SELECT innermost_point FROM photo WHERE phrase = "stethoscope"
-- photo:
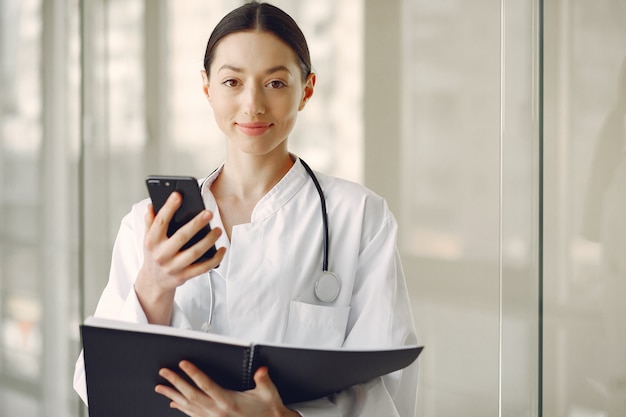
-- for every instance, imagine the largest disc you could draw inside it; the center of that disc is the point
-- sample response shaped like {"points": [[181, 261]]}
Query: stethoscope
{"points": [[327, 285]]}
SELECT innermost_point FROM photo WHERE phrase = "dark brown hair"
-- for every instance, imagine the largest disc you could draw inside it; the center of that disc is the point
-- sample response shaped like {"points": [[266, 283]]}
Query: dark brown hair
{"points": [[266, 18]]}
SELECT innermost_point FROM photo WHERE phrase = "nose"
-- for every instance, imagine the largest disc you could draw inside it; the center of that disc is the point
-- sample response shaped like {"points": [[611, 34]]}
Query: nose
{"points": [[254, 101]]}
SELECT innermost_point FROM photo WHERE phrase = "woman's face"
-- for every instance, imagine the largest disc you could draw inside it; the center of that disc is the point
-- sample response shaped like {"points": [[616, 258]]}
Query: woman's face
{"points": [[256, 90]]}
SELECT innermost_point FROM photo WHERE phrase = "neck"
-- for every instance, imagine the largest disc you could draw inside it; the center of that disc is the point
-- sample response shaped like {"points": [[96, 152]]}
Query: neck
{"points": [[250, 177]]}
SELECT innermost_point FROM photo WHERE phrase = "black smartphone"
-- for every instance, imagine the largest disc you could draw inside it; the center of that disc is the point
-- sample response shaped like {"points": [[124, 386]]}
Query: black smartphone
{"points": [[161, 186]]}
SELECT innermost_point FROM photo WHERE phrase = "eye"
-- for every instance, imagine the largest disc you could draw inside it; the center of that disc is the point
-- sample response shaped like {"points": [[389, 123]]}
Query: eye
{"points": [[276, 84], [230, 82]]}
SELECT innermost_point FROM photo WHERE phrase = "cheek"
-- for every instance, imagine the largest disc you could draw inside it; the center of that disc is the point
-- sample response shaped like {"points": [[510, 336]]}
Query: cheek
{"points": [[287, 118], [288, 108], [222, 117], [221, 108]]}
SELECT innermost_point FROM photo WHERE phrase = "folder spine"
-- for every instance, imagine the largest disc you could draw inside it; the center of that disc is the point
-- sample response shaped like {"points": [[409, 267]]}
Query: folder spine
{"points": [[247, 365]]}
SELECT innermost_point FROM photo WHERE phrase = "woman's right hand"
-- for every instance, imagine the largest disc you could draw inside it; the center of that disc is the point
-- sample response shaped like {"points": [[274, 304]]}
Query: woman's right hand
{"points": [[165, 267]]}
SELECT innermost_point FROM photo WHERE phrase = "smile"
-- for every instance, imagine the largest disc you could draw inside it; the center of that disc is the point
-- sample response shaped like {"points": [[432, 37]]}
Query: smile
{"points": [[254, 128]]}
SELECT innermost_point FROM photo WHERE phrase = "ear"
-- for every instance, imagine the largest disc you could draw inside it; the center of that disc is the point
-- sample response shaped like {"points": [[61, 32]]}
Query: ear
{"points": [[309, 86], [205, 84]]}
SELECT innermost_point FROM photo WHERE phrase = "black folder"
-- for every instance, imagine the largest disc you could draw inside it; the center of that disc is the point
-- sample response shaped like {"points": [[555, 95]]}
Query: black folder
{"points": [[122, 361]]}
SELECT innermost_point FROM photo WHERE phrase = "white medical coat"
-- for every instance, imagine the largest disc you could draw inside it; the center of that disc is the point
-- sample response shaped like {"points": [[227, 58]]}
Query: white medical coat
{"points": [[263, 291]]}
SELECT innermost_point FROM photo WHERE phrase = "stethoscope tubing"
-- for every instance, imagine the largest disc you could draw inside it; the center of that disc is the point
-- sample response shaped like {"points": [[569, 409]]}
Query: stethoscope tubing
{"points": [[318, 187], [326, 248], [324, 214]]}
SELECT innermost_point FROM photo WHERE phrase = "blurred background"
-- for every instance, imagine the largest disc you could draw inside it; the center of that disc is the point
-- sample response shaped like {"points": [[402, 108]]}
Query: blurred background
{"points": [[496, 129]]}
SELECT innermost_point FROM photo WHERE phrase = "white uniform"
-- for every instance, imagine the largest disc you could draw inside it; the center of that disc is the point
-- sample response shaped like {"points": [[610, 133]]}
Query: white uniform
{"points": [[263, 291]]}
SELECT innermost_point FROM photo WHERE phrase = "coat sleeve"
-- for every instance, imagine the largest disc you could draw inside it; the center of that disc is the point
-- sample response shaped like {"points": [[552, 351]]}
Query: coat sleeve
{"points": [[380, 317], [119, 300]]}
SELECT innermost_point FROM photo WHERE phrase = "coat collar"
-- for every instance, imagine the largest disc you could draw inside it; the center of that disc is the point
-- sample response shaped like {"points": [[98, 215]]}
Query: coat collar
{"points": [[271, 202]]}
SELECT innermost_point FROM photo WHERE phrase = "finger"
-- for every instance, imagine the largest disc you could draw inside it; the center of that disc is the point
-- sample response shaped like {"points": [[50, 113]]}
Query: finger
{"points": [[178, 400], [157, 223], [185, 261], [175, 393], [199, 248], [173, 202], [264, 383], [203, 382], [149, 217], [183, 269], [186, 232], [182, 392], [166, 213], [201, 267]]}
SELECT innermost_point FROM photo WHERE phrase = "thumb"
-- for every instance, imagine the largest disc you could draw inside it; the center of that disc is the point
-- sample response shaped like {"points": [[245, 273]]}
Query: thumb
{"points": [[263, 381], [149, 217], [262, 377]]}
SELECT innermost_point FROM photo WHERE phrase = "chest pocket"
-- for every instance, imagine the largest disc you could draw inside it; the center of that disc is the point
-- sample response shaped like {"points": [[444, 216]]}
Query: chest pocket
{"points": [[316, 326]]}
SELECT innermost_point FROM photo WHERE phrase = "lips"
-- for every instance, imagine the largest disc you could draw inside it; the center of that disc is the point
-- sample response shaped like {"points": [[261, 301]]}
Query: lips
{"points": [[254, 128]]}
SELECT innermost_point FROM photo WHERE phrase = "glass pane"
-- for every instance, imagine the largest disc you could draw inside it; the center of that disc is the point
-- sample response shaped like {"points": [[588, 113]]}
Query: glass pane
{"points": [[451, 209], [520, 245], [39, 79], [21, 134], [196, 137], [146, 112], [115, 130], [329, 130], [585, 206], [470, 208]]}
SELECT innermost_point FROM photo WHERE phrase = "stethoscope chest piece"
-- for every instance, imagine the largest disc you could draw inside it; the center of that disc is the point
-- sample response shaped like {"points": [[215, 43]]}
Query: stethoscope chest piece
{"points": [[327, 287]]}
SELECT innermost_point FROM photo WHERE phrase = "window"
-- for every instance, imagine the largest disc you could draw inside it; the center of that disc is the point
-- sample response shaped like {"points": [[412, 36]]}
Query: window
{"points": [[73, 160]]}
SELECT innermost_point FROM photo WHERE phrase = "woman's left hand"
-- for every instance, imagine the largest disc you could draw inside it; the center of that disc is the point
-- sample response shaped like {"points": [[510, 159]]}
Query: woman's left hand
{"points": [[207, 398]]}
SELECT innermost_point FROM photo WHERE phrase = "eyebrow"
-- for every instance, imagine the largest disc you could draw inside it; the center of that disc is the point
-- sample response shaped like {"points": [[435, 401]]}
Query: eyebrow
{"points": [[268, 71]]}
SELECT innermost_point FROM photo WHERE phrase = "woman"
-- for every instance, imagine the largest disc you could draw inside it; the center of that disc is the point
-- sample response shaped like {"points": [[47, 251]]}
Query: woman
{"points": [[264, 210]]}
